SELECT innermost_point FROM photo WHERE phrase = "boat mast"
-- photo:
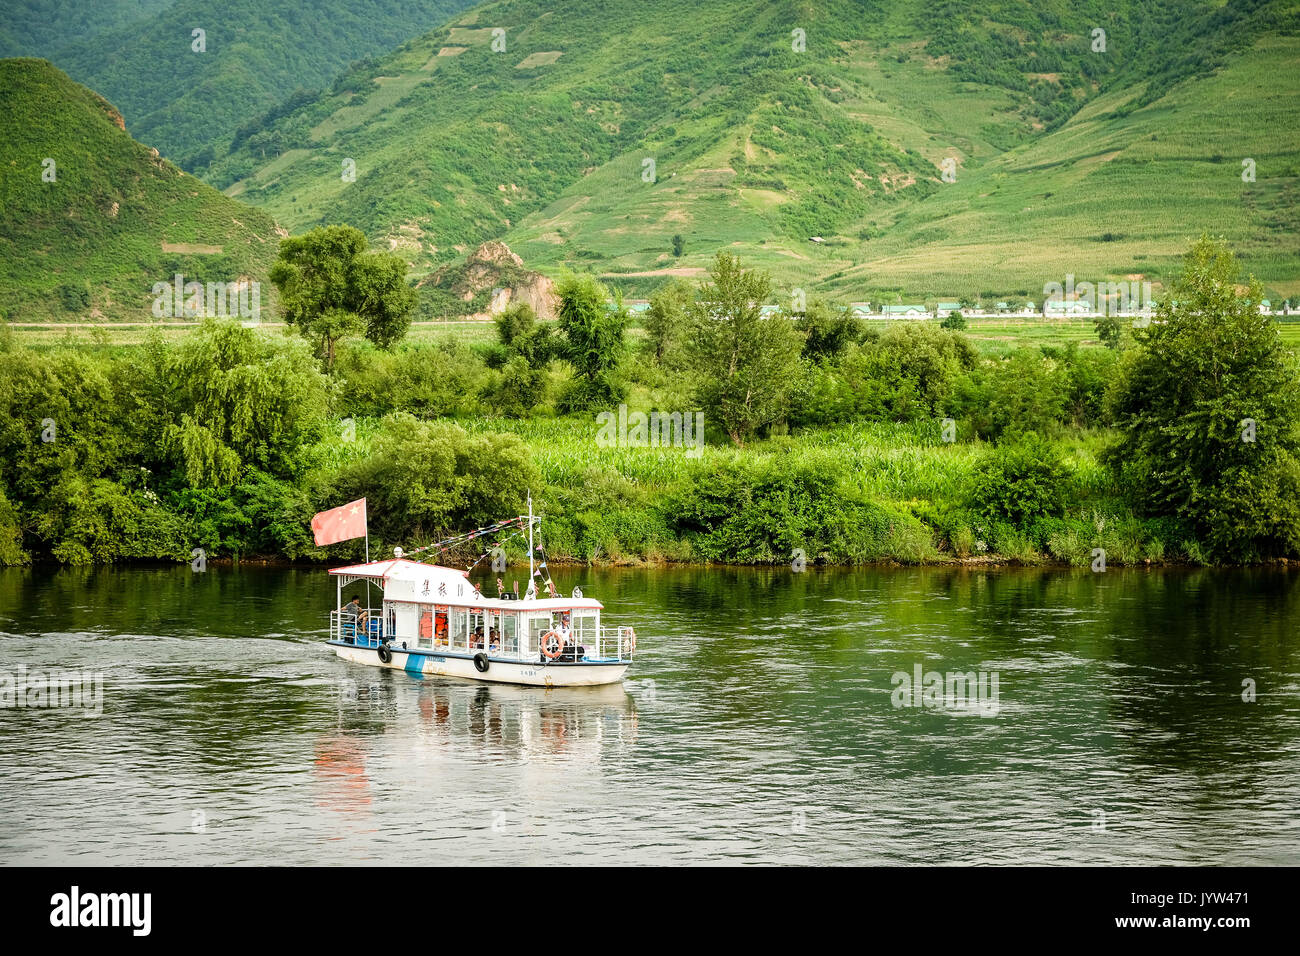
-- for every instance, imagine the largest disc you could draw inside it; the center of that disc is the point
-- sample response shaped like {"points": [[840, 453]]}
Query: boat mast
{"points": [[530, 537]]}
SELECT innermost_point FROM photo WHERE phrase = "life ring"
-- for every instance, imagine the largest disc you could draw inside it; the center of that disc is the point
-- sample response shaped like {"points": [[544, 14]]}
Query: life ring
{"points": [[552, 638], [385, 654], [481, 662]]}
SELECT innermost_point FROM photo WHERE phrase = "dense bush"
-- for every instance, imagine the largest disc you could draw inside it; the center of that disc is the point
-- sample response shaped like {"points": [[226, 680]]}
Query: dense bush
{"points": [[1207, 409], [427, 381], [761, 511], [424, 478], [1022, 482]]}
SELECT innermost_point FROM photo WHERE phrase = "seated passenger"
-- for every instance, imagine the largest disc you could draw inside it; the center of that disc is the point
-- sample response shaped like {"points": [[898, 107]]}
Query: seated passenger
{"points": [[349, 614]]}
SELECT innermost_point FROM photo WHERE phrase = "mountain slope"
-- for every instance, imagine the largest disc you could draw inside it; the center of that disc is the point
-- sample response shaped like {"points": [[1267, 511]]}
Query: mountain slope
{"points": [[188, 104], [41, 27], [117, 217], [759, 147]]}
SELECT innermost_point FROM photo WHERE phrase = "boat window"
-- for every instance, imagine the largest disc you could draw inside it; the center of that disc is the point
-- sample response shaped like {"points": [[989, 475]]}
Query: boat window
{"points": [[458, 629], [538, 624], [477, 630], [440, 625], [509, 632], [584, 628], [426, 627]]}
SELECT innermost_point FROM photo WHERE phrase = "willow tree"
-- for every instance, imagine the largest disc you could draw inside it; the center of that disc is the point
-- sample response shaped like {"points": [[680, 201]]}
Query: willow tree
{"points": [[332, 287], [1208, 409], [241, 400]]}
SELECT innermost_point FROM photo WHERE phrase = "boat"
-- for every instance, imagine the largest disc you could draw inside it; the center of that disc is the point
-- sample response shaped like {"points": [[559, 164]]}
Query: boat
{"points": [[434, 621]]}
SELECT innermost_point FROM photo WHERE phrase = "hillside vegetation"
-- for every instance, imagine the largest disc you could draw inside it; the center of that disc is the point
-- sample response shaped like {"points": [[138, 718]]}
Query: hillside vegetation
{"points": [[1057, 148], [40, 27], [116, 218], [188, 102]]}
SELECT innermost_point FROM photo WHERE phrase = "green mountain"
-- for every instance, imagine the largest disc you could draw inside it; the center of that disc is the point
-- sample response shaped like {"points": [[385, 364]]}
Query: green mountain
{"points": [[90, 219], [41, 27], [189, 98], [1092, 137]]}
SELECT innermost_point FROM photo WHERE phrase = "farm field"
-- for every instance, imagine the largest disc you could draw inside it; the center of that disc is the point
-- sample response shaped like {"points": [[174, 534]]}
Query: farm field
{"points": [[992, 336]]}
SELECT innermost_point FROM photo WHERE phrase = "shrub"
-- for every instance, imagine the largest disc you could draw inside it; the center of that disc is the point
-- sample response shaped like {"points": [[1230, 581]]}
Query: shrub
{"points": [[1022, 482]]}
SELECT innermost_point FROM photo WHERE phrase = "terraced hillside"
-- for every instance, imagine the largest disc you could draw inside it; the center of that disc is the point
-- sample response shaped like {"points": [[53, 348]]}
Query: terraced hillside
{"points": [[590, 135]]}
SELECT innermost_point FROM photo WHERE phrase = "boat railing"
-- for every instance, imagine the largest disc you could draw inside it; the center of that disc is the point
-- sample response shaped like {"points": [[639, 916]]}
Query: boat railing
{"points": [[613, 643], [344, 626], [610, 643]]}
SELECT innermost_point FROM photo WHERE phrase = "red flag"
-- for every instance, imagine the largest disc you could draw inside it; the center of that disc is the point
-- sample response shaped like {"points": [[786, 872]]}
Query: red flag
{"points": [[339, 524]]}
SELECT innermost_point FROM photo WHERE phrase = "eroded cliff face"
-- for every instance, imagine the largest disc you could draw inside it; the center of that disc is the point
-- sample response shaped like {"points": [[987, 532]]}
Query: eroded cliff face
{"points": [[538, 292], [494, 269]]}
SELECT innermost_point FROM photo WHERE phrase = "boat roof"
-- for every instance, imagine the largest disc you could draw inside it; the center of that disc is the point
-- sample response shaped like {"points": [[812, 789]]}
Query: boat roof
{"points": [[408, 580], [398, 569]]}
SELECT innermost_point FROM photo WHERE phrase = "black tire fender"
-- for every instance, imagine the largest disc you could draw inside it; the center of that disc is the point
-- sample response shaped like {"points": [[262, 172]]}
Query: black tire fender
{"points": [[481, 662]]}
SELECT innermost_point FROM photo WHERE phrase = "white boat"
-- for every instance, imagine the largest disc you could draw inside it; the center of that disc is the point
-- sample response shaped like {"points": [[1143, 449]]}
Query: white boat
{"points": [[434, 621]]}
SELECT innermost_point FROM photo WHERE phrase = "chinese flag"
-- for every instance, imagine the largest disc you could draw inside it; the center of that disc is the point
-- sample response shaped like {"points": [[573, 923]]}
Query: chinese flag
{"points": [[339, 524]]}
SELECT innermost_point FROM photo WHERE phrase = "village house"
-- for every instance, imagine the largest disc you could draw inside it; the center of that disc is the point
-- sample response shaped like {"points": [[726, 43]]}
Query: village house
{"points": [[905, 312]]}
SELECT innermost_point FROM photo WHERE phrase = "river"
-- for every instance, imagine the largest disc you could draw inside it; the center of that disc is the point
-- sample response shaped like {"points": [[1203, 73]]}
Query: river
{"points": [[1139, 717]]}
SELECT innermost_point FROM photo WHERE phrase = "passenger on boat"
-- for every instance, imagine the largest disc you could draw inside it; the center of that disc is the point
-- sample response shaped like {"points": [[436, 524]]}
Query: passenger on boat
{"points": [[477, 641], [572, 651], [350, 614]]}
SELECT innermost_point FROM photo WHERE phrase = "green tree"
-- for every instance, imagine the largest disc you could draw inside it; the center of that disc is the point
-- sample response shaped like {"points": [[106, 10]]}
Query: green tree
{"points": [[665, 320], [827, 330], [746, 364], [331, 287], [954, 321], [679, 245], [1206, 407], [1109, 330], [425, 478], [241, 399], [593, 342], [521, 336]]}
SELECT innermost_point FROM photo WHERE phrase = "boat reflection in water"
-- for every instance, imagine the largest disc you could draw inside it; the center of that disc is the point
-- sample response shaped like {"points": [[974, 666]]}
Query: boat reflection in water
{"points": [[526, 722], [445, 728], [340, 766]]}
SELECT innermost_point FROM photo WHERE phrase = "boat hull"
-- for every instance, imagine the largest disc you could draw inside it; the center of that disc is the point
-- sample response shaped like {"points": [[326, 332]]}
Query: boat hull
{"points": [[528, 673]]}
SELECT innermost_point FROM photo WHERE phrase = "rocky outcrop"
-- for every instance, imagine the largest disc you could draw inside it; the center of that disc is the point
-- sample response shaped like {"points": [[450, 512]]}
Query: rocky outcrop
{"points": [[494, 270]]}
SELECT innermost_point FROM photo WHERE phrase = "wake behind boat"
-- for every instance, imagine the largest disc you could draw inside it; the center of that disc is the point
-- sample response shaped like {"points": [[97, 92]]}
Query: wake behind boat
{"points": [[435, 621]]}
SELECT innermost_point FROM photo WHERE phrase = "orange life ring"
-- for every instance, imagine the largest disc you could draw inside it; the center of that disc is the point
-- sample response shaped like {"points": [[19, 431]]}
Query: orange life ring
{"points": [[559, 644]]}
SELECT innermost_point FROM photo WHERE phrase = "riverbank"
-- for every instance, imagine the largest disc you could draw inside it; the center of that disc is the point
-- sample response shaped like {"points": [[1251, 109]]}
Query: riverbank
{"points": [[867, 494], [905, 445]]}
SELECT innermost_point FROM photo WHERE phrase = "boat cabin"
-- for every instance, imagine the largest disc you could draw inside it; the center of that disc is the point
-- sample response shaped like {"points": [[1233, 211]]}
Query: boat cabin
{"points": [[438, 610]]}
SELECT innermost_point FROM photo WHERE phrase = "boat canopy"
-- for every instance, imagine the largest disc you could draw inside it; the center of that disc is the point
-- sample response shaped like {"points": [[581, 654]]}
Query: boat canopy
{"points": [[398, 569], [405, 580]]}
